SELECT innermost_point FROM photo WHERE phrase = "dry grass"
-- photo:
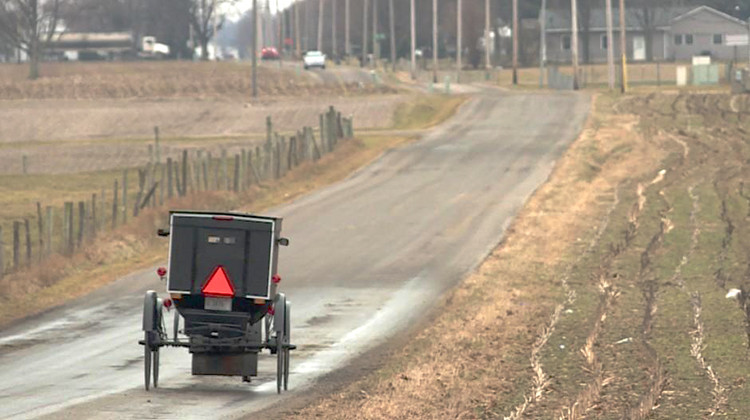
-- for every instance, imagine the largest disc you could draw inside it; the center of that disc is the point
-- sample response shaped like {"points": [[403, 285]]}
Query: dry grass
{"points": [[474, 363], [167, 79]]}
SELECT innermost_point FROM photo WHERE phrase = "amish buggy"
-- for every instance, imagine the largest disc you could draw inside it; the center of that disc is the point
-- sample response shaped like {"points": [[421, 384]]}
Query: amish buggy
{"points": [[222, 280]]}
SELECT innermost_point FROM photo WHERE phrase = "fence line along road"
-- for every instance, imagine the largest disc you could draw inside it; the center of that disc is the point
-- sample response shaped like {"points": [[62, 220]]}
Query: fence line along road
{"points": [[159, 182]]}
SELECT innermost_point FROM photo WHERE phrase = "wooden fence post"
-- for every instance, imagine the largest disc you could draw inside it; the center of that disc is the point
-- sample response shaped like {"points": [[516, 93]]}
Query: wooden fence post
{"points": [[81, 222], [252, 168], [204, 167], [323, 133], [139, 195], [224, 171], [162, 175], [269, 130], [237, 172], [28, 241], [170, 191], [124, 197], [49, 229], [93, 215], [156, 143], [102, 210], [276, 160], [114, 205], [184, 173], [66, 228], [16, 245], [245, 170], [71, 227], [177, 183], [40, 225]]}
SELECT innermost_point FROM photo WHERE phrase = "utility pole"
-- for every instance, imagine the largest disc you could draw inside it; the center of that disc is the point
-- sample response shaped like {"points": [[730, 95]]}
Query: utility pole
{"points": [[334, 47], [280, 31], [542, 42], [214, 38], [375, 42], [515, 42], [254, 49], [297, 37], [459, 35], [320, 24], [487, 65], [413, 45], [393, 35], [364, 33], [308, 18], [623, 47], [347, 29], [610, 44], [434, 41], [574, 41]]}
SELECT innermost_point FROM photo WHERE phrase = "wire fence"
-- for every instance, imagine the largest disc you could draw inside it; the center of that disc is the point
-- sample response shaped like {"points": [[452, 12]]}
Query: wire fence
{"points": [[67, 229]]}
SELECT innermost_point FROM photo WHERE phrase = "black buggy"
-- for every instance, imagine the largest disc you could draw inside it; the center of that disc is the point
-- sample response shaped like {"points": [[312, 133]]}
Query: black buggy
{"points": [[222, 281]]}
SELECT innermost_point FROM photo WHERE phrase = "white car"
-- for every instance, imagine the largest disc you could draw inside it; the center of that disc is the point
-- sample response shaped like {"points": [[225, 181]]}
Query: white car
{"points": [[314, 59]]}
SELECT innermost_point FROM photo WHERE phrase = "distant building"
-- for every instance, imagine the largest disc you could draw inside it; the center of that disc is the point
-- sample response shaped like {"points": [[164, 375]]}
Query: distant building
{"points": [[678, 34]]}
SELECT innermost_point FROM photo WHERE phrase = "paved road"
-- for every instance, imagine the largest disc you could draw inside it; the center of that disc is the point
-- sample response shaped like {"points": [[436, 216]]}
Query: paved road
{"points": [[367, 256]]}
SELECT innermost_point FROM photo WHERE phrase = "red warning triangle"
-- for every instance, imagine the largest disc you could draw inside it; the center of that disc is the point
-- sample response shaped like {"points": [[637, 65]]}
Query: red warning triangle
{"points": [[218, 284]]}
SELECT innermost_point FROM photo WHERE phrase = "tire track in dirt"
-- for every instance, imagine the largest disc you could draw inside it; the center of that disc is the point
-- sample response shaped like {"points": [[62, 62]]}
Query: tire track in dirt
{"points": [[697, 336], [608, 294], [720, 116], [541, 380]]}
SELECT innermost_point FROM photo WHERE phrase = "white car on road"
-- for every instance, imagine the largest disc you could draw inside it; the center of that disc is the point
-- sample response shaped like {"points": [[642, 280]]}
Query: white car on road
{"points": [[314, 59]]}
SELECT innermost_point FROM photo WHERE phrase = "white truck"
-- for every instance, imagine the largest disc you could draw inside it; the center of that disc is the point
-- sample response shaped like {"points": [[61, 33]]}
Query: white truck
{"points": [[74, 46], [314, 59]]}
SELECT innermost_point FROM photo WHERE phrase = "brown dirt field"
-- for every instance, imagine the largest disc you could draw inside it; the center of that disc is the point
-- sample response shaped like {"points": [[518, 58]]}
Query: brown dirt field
{"points": [[172, 79], [607, 297], [59, 136]]}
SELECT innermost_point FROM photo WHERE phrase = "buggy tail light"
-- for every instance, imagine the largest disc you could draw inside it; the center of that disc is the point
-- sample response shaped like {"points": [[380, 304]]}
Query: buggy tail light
{"points": [[276, 279]]}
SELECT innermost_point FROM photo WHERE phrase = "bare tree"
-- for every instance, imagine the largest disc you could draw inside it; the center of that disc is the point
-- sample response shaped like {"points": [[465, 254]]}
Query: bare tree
{"points": [[202, 13], [29, 25], [649, 15]]}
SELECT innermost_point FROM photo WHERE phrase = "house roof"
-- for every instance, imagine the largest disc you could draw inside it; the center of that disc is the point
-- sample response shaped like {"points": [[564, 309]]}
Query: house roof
{"points": [[559, 20], [709, 10]]}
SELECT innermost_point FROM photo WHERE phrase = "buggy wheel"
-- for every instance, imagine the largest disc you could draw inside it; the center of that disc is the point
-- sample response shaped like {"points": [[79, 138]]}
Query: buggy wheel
{"points": [[147, 360], [155, 362], [176, 323], [279, 361], [287, 341]]}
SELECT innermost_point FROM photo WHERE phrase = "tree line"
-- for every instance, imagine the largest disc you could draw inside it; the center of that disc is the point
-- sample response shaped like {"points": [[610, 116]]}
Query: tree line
{"points": [[29, 25]]}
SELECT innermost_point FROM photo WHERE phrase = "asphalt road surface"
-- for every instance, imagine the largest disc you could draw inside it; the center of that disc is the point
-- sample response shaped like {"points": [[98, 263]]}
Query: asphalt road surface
{"points": [[368, 256]]}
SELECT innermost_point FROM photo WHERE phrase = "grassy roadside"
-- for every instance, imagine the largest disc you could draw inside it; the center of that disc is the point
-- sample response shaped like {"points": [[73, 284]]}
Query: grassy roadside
{"points": [[607, 297], [134, 246]]}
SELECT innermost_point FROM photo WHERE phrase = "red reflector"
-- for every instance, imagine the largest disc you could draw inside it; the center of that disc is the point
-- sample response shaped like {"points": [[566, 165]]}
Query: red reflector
{"points": [[271, 311], [224, 218], [161, 271], [218, 284], [167, 303], [276, 278]]}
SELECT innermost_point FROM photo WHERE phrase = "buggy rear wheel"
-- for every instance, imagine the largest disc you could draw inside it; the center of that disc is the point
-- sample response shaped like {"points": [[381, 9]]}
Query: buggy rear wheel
{"points": [[147, 359], [155, 366]]}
